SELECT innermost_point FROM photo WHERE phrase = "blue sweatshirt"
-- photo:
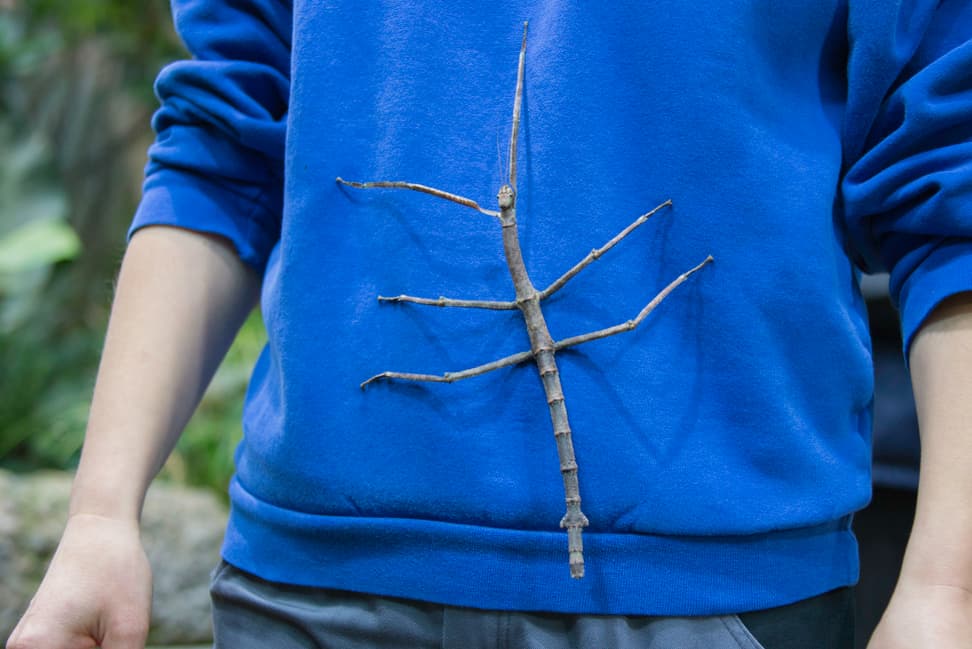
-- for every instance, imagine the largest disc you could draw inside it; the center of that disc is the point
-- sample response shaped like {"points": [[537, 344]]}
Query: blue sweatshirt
{"points": [[723, 444]]}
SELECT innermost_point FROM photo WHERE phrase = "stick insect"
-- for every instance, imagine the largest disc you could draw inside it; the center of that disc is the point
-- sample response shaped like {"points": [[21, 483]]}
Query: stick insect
{"points": [[543, 347]]}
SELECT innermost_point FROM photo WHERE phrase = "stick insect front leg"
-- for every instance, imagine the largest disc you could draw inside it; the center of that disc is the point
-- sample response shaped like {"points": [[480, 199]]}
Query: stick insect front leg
{"points": [[454, 198], [425, 189], [445, 301]]}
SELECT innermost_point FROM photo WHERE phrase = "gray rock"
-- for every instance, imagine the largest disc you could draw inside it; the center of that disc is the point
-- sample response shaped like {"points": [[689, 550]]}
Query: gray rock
{"points": [[182, 529]]}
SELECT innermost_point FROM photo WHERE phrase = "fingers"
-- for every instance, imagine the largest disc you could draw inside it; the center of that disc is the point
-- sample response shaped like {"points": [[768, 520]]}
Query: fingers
{"points": [[97, 591], [40, 631], [32, 633]]}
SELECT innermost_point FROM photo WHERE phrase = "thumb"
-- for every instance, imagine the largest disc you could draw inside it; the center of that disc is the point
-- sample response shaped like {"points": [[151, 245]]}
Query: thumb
{"points": [[126, 635], [127, 625]]}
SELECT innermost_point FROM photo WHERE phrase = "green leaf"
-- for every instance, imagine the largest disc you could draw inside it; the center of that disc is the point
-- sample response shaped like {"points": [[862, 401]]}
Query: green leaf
{"points": [[38, 244]]}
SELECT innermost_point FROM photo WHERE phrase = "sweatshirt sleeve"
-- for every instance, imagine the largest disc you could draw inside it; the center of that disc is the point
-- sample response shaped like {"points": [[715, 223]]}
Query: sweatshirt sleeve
{"points": [[907, 187], [217, 162]]}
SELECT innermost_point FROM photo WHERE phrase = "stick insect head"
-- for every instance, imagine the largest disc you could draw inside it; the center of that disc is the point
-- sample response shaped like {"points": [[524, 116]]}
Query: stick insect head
{"points": [[505, 197]]}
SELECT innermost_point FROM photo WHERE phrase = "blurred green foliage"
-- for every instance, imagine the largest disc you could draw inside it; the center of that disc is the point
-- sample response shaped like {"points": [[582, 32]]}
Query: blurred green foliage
{"points": [[75, 105]]}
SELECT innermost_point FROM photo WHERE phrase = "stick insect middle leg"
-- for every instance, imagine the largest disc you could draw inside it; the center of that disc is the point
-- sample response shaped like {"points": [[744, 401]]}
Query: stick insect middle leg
{"points": [[597, 252]]}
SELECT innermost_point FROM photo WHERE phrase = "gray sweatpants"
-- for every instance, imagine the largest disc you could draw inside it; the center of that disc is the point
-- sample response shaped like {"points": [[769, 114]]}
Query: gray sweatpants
{"points": [[251, 613]]}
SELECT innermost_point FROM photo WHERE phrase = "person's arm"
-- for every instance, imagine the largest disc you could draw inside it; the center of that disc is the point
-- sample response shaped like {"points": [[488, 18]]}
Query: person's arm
{"points": [[180, 299], [932, 603]]}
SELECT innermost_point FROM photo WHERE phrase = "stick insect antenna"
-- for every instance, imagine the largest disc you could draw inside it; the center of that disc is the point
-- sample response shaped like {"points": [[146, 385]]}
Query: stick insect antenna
{"points": [[517, 102]]}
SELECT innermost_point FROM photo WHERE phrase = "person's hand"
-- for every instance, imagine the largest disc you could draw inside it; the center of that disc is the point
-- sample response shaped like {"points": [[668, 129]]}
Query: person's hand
{"points": [[97, 590], [925, 615]]}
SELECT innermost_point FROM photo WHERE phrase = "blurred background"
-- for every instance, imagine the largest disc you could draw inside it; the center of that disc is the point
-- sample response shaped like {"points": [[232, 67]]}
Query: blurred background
{"points": [[75, 107]]}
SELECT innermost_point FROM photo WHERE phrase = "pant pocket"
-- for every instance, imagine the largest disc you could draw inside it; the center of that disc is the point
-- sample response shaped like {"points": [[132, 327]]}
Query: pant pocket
{"points": [[743, 637], [217, 572]]}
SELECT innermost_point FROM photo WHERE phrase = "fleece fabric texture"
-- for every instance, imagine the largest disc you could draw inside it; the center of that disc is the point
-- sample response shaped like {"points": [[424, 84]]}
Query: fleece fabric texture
{"points": [[724, 444]]}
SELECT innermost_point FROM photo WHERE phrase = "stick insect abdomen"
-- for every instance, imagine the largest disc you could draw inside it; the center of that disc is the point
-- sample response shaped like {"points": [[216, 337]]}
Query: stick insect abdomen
{"points": [[542, 344]]}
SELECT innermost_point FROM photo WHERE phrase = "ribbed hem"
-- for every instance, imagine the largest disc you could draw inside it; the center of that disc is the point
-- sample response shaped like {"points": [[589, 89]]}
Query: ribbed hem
{"points": [[490, 568]]}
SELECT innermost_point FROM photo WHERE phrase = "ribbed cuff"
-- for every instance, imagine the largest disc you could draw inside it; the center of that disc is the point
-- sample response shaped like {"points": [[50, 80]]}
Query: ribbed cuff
{"points": [[946, 271], [188, 201]]}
